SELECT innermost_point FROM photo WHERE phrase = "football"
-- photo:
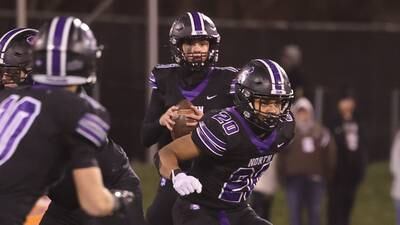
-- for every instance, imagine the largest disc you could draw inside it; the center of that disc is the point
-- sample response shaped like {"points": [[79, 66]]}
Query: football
{"points": [[180, 128]]}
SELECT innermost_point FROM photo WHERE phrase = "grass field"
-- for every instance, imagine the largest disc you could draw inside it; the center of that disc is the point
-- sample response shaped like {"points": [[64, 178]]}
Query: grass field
{"points": [[373, 205]]}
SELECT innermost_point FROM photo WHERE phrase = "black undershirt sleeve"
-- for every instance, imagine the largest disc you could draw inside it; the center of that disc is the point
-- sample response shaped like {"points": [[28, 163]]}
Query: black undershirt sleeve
{"points": [[151, 129]]}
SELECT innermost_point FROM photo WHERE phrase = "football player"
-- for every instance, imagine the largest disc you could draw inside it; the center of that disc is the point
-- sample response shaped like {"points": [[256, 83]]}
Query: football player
{"points": [[117, 174], [48, 126], [231, 148], [194, 43], [15, 59], [113, 162]]}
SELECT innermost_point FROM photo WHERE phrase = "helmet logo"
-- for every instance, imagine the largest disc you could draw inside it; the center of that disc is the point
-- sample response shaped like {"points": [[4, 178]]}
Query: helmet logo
{"points": [[179, 26], [243, 75], [30, 39]]}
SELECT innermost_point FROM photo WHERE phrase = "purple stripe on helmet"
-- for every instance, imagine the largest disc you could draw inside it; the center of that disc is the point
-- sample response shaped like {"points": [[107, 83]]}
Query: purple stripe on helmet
{"points": [[57, 40], [196, 21], [262, 145], [190, 95], [56, 71], [276, 73], [7, 36]]}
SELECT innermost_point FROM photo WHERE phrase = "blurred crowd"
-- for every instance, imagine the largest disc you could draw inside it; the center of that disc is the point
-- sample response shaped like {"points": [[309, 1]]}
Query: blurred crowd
{"points": [[323, 161]]}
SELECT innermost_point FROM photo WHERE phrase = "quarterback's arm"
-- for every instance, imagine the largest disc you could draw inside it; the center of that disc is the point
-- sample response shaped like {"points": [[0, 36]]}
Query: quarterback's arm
{"points": [[182, 148], [94, 198], [151, 128]]}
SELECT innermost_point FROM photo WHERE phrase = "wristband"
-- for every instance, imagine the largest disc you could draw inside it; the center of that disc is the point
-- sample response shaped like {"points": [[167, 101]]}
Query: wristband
{"points": [[175, 172]]}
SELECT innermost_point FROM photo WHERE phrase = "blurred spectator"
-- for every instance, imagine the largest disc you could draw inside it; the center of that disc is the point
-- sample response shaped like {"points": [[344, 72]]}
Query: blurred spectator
{"points": [[306, 165], [262, 197], [291, 60], [395, 170], [351, 162]]}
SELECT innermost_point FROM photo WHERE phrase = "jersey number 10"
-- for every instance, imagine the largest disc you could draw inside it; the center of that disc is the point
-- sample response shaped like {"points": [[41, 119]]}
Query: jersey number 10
{"points": [[16, 117]]}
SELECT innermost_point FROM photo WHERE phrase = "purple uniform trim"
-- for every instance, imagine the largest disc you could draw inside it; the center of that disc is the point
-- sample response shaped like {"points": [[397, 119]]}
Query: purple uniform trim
{"points": [[206, 142], [213, 143], [190, 95], [98, 121], [91, 136], [93, 128], [262, 145]]}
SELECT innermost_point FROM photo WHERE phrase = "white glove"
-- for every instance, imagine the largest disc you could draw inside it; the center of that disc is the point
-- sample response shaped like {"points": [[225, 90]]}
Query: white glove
{"points": [[184, 184]]}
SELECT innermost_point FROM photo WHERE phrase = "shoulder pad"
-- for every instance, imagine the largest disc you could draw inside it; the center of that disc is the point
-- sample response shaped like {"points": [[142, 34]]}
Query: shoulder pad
{"points": [[160, 73], [152, 81], [93, 128]]}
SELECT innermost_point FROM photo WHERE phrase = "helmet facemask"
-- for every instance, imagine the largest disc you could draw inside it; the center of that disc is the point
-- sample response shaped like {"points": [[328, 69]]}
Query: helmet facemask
{"points": [[16, 57], [251, 104], [12, 75], [196, 61]]}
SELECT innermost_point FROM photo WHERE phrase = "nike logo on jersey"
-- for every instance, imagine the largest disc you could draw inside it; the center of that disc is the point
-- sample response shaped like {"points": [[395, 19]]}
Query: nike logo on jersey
{"points": [[211, 97], [280, 145]]}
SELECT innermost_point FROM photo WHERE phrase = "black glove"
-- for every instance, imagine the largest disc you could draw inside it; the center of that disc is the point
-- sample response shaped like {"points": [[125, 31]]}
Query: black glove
{"points": [[122, 212], [122, 199]]}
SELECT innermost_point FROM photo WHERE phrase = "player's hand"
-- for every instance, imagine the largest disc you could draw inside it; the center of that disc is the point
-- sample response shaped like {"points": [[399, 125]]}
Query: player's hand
{"points": [[195, 117], [167, 119], [122, 200], [184, 184]]}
